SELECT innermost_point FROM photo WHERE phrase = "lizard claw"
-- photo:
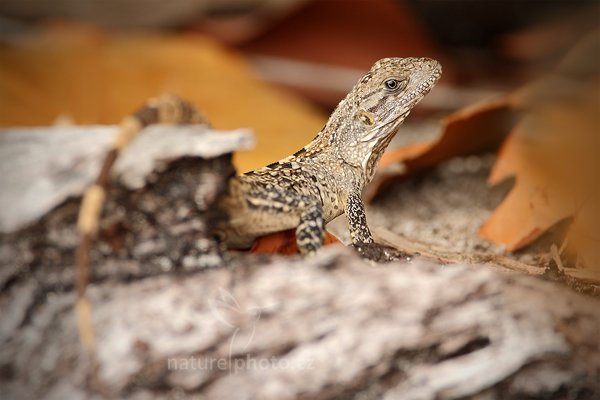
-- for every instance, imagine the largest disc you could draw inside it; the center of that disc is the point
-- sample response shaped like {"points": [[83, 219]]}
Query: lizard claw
{"points": [[380, 253]]}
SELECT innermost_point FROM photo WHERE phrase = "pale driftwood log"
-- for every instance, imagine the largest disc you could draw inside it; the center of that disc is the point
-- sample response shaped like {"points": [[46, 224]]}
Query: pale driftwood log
{"points": [[42, 167], [325, 327], [329, 326]]}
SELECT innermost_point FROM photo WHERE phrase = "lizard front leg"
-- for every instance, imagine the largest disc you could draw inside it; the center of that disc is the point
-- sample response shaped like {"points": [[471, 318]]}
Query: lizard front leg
{"points": [[357, 219], [361, 237], [311, 229]]}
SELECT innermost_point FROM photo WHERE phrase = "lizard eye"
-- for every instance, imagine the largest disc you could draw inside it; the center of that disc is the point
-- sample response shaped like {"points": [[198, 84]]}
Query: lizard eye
{"points": [[394, 84]]}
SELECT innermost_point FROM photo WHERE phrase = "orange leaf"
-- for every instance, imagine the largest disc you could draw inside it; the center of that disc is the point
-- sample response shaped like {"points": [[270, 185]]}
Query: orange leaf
{"points": [[553, 153], [89, 77], [524, 215], [480, 127], [506, 162], [283, 243], [533, 205]]}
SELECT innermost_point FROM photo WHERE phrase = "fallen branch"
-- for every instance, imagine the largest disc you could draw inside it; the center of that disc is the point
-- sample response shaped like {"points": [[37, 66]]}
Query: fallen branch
{"points": [[316, 328]]}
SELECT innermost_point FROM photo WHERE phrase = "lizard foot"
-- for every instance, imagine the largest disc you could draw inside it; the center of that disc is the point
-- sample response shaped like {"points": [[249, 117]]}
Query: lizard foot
{"points": [[380, 253]]}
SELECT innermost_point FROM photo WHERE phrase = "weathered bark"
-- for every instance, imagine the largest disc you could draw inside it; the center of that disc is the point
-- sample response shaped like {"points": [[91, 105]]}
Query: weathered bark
{"points": [[328, 326], [42, 167]]}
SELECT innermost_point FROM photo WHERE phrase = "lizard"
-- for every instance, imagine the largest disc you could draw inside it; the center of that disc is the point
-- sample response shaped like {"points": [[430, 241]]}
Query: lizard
{"points": [[303, 191], [326, 178]]}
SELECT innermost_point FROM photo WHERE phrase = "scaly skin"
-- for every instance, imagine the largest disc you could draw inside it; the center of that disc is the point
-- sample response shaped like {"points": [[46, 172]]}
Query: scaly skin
{"points": [[326, 178]]}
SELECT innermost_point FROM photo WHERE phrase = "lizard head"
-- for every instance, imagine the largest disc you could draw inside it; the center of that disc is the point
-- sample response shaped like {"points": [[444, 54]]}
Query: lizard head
{"points": [[377, 106]]}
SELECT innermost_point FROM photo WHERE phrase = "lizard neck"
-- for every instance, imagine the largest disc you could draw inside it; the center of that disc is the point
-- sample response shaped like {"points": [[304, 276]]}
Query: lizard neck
{"points": [[375, 156], [340, 141], [337, 132]]}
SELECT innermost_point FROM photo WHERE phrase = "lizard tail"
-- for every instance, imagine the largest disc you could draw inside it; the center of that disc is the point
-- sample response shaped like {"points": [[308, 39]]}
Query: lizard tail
{"points": [[166, 109]]}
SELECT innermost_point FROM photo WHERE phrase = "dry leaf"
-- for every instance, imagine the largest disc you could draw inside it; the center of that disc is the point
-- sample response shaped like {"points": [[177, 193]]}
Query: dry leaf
{"points": [[284, 243], [89, 77], [554, 156], [474, 129], [531, 207]]}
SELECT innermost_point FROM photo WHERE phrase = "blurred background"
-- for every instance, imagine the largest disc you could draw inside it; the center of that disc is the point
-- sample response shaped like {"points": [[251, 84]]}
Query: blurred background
{"points": [[277, 66], [281, 66]]}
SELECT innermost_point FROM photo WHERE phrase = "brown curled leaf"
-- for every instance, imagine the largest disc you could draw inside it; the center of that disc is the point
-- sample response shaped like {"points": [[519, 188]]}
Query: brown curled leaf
{"points": [[471, 130]]}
